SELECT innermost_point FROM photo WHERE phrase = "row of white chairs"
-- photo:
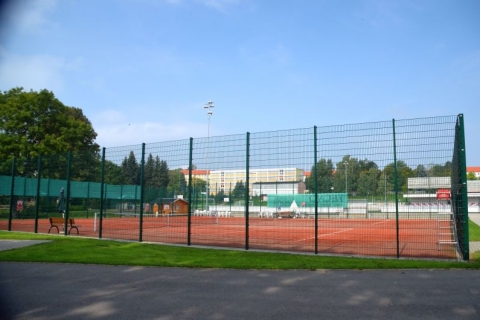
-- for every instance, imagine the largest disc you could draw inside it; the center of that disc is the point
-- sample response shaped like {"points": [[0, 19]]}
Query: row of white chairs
{"points": [[267, 214], [205, 213], [202, 213], [297, 215]]}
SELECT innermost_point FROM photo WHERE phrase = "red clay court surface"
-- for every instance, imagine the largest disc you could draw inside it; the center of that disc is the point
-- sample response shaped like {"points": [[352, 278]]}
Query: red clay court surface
{"points": [[362, 237]]}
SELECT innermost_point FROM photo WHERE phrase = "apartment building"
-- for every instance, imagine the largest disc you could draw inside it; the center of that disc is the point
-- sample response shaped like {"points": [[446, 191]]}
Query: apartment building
{"points": [[227, 179]]}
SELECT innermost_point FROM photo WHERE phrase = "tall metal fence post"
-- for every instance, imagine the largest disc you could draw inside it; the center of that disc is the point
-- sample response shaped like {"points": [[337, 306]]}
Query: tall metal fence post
{"points": [[315, 185], [37, 202], [12, 195], [102, 184], [142, 169], [67, 197], [396, 187], [190, 165], [88, 197], [260, 196], [247, 191], [464, 241]]}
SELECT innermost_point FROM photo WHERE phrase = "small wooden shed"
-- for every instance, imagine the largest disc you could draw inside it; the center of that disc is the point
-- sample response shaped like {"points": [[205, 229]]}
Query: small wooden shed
{"points": [[178, 206]]}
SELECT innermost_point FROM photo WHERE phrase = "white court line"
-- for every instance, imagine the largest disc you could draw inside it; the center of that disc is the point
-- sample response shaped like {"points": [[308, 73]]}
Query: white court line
{"points": [[326, 234], [382, 222], [336, 232]]}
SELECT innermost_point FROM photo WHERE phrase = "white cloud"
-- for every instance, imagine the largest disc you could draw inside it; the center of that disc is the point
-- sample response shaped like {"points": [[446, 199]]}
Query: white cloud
{"points": [[34, 71], [115, 129]]}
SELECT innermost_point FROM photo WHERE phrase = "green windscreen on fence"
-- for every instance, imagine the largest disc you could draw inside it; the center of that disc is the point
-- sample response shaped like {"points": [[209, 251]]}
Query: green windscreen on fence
{"points": [[79, 189]]}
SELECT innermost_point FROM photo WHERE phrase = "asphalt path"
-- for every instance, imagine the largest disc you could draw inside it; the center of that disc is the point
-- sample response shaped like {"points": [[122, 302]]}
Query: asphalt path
{"points": [[76, 291]]}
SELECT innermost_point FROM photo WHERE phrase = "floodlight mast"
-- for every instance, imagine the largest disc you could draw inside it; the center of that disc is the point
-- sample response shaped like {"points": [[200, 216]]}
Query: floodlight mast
{"points": [[208, 107]]}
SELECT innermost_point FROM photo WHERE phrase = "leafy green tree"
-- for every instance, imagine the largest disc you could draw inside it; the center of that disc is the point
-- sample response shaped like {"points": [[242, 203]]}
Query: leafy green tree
{"points": [[198, 185], [384, 185], [340, 177], [346, 175], [324, 177], [368, 182], [471, 176], [34, 123], [356, 176], [85, 166], [113, 173], [239, 191], [438, 170], [177, 183], [220, 196], [421, 171], [403, 173]]}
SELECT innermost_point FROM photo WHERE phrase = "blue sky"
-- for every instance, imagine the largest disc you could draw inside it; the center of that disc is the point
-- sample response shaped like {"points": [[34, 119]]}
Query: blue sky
{"points": [[142, 70]]}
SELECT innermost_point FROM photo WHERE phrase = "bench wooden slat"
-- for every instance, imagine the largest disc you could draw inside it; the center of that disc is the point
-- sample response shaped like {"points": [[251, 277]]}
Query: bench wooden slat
{"points": [[56, 222]]}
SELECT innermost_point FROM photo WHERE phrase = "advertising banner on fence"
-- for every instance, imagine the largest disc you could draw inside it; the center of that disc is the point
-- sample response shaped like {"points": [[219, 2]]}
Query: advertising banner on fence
{"points": [[443, 194], [325, 200]]}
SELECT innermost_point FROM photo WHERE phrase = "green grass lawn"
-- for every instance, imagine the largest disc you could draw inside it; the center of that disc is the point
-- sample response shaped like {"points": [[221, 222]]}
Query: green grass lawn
{"points": [[473, 231], [72, 249]]}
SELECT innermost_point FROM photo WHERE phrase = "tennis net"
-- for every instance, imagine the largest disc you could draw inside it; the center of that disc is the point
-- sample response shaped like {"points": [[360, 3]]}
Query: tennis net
{"points": [[124, 220]]}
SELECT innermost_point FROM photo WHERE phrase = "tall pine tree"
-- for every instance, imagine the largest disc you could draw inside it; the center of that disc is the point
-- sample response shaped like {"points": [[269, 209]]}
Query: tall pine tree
{"points": [[131, 169]]}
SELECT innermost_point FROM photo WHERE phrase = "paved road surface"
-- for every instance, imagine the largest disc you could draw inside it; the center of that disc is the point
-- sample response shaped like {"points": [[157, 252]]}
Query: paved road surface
{"points": [[71, 291]]}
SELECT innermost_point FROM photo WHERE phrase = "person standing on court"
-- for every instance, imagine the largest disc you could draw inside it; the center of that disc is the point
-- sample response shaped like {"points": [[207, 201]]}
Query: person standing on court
{"points": [[155, 209], [61, 203]]}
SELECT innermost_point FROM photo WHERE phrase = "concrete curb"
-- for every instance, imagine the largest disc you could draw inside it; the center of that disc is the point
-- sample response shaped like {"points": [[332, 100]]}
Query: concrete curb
{"points": [[15, 244]]}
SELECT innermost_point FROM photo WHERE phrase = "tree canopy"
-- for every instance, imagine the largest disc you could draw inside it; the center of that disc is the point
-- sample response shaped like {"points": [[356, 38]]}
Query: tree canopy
{"points": [[364, 178], [37, 123]]}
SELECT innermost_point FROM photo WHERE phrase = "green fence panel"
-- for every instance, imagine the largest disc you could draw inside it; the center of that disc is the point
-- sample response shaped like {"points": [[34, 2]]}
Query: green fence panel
{"points": [[5, 185]]}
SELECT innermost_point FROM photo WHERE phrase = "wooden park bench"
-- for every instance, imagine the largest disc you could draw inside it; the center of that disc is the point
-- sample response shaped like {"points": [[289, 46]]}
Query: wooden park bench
{"points": [[59, 222]]}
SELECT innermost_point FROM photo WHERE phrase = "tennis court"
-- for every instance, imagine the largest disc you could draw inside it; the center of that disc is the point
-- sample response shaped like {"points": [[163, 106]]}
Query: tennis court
{"points": [[353, 236]]}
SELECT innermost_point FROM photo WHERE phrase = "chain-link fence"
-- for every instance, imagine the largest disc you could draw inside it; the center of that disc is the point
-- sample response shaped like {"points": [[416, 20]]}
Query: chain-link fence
{"points": [[395, 188]]}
